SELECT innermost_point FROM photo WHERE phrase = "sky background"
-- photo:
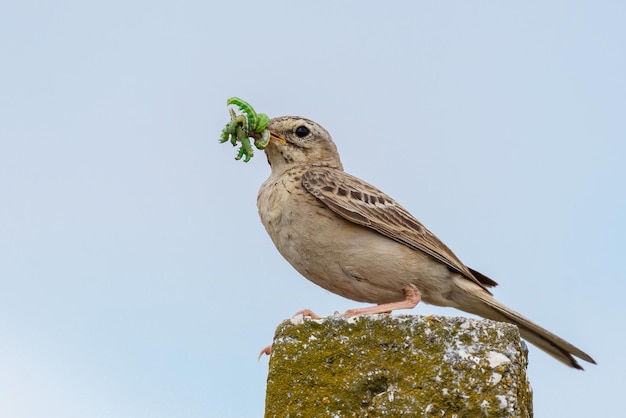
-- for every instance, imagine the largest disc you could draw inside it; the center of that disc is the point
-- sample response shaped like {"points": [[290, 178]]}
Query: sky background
{"points": [[136, 279]]}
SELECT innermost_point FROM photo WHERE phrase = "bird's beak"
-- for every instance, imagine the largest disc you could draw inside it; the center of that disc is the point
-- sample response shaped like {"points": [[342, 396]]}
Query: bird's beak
{"points": [[277, 137]]}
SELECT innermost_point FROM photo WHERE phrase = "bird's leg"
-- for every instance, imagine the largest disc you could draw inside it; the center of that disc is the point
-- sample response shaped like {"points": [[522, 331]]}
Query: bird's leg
{"points": [[413, 297]]}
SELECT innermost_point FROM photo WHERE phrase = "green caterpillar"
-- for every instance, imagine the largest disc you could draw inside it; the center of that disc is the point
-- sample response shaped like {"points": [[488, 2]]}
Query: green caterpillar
{"points": [[242, 127], [256, 122]]}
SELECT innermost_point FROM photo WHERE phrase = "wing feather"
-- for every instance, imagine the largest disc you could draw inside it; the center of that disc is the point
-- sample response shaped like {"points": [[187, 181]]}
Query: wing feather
{"points": [[363, 204]]}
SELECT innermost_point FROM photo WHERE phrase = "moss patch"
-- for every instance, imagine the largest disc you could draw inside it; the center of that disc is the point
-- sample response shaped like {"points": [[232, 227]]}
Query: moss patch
{"points": [[384, 365]]}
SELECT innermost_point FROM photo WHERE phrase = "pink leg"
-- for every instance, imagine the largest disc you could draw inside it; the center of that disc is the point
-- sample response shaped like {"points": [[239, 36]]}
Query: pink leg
{"points": [[413, 297]]}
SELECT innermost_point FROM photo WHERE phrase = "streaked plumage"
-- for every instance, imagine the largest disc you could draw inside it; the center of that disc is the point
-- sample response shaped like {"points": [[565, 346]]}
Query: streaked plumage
{"points": [[352, 239]]}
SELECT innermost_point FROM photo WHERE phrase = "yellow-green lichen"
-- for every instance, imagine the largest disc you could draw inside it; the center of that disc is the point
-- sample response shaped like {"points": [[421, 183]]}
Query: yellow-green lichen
{"points": [[392, 365]]}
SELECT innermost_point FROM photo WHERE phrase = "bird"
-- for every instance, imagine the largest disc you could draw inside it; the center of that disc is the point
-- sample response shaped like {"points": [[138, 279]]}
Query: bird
{"points": [[354, 240]]}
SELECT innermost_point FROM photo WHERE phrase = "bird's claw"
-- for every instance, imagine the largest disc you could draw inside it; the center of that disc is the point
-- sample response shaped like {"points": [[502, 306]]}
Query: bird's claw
{"points": [[306, 313], [267, 351]]}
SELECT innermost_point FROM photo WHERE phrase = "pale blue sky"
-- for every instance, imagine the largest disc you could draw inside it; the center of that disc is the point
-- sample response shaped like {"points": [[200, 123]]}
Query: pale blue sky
{"points": [[135, 277]]}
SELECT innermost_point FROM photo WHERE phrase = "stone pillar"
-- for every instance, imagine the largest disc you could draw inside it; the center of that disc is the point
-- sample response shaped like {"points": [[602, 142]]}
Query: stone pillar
{"points": [[384, 365]]}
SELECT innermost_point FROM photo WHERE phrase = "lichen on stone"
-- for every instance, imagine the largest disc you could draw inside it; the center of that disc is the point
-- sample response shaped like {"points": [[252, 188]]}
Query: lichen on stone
{"points": [[383, 365]]}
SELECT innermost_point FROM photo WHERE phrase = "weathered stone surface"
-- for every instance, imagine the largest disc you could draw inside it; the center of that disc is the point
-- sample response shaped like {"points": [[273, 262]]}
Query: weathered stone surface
{"points": [[383, 365]]}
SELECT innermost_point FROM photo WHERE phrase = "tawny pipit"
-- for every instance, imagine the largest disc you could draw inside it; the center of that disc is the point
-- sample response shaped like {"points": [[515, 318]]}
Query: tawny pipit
{"points": [[353, 240]]}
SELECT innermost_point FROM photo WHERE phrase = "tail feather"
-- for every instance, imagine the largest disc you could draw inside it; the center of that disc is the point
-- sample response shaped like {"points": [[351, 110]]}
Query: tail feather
{"points": [[538, 336]]}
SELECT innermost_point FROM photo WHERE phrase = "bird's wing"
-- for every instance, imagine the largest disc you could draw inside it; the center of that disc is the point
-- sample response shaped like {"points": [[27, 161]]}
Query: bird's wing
{"points": [[363, 204]]}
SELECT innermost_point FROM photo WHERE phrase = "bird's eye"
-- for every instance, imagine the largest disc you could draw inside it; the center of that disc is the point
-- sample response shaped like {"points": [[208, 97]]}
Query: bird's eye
{"points": [[302, 131]]}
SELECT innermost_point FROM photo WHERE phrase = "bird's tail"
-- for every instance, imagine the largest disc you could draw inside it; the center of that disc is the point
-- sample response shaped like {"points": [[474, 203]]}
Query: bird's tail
{"points": [[542, 338]]}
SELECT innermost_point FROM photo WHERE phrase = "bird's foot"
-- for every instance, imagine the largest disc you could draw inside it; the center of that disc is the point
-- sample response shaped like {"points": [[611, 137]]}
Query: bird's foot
{"points": [[413, 297], [306, 313]]}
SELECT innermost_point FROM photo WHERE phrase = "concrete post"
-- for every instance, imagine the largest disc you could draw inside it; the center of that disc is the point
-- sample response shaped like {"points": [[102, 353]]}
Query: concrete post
{"points": [[384, 365]]}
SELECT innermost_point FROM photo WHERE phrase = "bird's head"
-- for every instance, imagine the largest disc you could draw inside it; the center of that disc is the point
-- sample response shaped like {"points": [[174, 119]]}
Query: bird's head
{"points": [[299, 141]]}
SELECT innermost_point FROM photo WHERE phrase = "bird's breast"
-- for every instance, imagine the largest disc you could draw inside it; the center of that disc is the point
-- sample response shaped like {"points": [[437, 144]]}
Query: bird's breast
{"points": [[351, 260]]}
